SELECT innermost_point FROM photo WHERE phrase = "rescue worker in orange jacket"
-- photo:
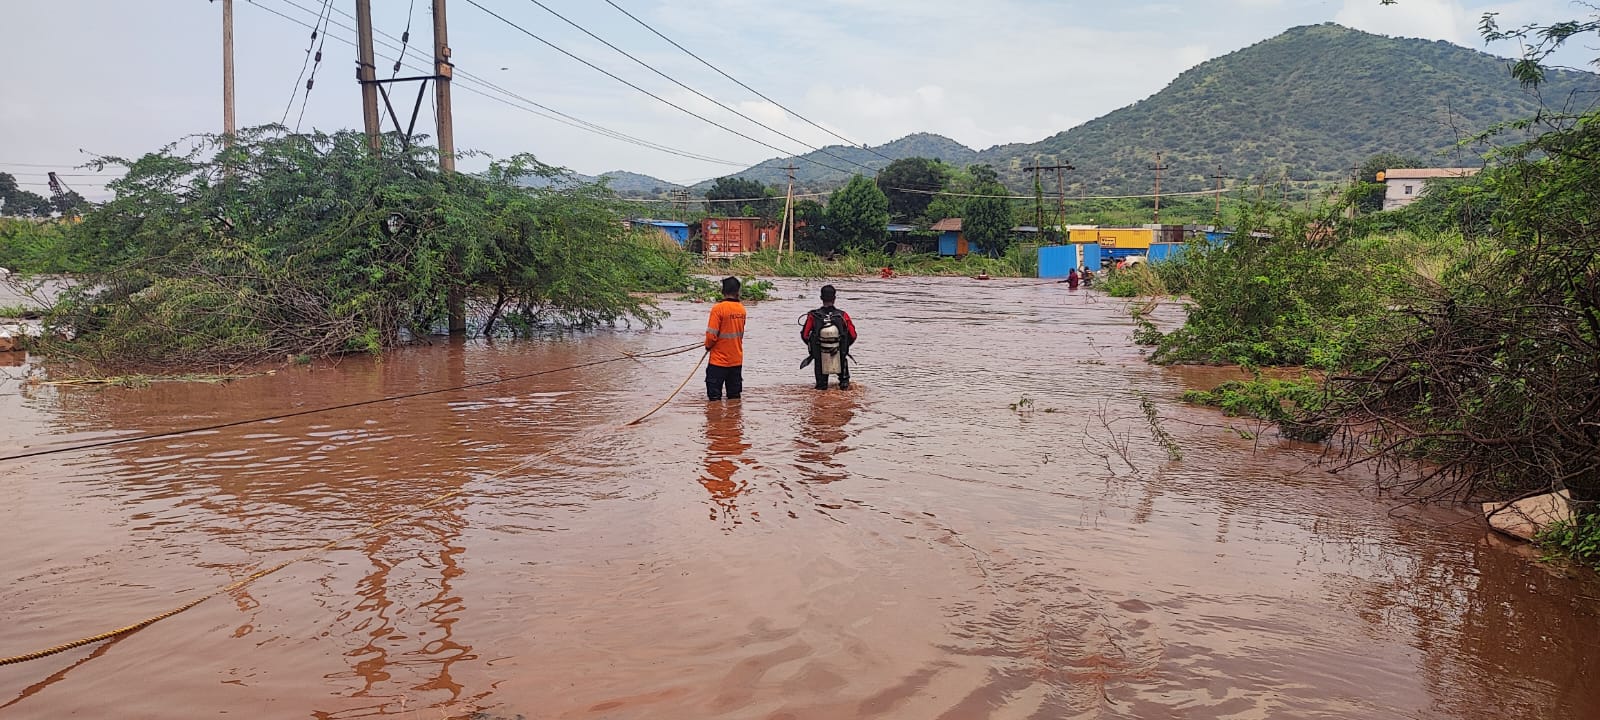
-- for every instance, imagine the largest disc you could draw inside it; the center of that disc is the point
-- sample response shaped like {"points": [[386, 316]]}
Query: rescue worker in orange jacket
{"points": [[725, 343]]}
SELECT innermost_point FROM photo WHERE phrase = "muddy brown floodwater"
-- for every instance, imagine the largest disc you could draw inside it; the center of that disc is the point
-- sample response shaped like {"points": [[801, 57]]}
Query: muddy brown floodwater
{"points": [[913, 548]]}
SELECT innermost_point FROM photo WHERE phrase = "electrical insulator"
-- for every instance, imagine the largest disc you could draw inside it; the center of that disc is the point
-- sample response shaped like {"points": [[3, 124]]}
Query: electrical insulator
{"points": [[405, 36], [319, 56]]}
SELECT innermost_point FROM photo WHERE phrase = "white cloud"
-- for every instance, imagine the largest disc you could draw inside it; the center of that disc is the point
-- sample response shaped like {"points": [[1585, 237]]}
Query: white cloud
{"points": [[983, 73]]}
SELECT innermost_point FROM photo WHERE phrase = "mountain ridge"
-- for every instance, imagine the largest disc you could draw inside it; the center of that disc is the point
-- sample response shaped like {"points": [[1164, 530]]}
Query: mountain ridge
{"points": [[1309, 103]]}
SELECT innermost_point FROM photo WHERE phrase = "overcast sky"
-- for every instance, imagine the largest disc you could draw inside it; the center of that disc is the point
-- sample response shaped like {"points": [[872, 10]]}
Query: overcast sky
{"points": [[124, 76]]}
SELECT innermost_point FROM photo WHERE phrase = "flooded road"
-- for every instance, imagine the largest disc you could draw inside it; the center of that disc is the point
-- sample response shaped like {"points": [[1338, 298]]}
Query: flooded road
{"points": [[912, 548]]}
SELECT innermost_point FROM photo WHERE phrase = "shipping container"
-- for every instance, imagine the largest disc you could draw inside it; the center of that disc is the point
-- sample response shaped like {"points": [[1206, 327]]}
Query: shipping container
{"points": [[731, 236]]}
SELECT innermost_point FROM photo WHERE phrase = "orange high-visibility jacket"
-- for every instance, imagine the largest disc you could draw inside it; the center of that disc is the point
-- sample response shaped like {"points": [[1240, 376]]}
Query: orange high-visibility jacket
{"points": [[725, 334]]}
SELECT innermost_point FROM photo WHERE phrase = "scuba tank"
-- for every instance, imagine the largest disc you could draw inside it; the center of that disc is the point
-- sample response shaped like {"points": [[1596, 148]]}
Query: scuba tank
{"points": [[828, 343]]}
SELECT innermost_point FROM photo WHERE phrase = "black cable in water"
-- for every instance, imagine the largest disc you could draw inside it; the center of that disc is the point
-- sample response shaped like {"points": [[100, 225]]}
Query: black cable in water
{"points": [[482, 383]]}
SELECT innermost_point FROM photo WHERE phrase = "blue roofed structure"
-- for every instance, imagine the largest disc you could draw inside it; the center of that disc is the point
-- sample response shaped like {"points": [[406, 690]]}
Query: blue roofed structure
{"points": [[679, 232]]}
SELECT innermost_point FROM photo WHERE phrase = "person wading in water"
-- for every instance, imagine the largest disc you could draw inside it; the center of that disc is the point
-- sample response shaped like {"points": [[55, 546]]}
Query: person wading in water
{"points": [[725, 343], [828, 334]]}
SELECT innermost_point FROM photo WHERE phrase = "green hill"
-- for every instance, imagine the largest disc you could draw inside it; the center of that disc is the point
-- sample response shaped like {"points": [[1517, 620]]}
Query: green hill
{"points": [[1311, 103], [815, 176]]}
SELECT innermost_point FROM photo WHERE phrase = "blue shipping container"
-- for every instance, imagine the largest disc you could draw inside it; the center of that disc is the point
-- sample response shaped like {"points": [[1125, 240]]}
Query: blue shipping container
{"points": [[1055, 261]]}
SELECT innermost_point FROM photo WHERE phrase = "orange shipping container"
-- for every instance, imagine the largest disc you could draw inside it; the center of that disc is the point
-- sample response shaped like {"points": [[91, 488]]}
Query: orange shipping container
{"points": [[730, 236]]}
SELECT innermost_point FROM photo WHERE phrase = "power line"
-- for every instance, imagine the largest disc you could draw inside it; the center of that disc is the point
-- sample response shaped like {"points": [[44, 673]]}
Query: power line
{"points": [[306, 61], [724, 200], [405, 39], [658, 98], [463, 74], [40, 165], [560, 117], [702, 95], [316, 63], [569, 119], [1030, 197], [736, 81], [73, 175]]}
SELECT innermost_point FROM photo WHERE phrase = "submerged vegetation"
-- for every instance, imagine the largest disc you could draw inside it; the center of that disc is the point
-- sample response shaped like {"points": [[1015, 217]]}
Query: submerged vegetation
{"points": [[309, 244]]}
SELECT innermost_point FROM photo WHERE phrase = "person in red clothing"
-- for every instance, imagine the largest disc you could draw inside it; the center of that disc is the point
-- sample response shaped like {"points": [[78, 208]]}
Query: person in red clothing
{"points": [[828, 334], [725, 343]]}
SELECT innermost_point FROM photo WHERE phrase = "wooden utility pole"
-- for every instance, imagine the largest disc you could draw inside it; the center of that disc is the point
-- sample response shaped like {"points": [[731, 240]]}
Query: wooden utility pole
{"points": [[367, 75], [1158, 168], [228, 127], [442, 70]]}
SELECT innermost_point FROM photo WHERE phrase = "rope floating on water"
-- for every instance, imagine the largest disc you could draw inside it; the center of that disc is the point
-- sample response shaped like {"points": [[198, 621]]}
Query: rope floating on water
{"points": [[674, 394]]}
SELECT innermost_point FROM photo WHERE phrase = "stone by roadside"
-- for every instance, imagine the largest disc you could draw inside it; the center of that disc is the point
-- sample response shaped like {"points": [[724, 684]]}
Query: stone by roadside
{"points": [[1528, 517]]}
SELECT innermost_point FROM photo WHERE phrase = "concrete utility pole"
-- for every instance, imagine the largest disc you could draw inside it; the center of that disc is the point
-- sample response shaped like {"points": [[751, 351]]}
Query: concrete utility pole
{"points": [[1038, 198], [1061, 199], [786, 230], [1061, 196], [442, 70], [228, 127], [456, 301], [1158, 168], [1216, 215], [367, 75]]}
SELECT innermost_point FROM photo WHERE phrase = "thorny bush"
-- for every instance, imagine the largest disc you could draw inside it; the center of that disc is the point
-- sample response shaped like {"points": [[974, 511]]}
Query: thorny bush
{"points": [[310, 244]]}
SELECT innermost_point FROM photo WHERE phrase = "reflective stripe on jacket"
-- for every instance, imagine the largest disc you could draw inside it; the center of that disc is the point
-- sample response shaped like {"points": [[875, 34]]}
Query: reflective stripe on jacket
{"points": [[725, 333]]}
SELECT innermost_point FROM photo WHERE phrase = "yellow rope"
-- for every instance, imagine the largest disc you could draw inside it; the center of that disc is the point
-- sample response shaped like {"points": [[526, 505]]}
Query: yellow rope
{"points": [[257, 575], [674, 394]]}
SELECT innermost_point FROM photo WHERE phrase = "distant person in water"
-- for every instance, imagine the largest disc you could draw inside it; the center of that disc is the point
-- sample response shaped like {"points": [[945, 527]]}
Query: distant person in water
{"points": [[1072, 279], [725, 344], [828, 334], [1088, 277]]}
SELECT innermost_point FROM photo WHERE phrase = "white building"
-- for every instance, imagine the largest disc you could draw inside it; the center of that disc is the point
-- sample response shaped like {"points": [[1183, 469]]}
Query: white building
{"points": [[1405, 184]]}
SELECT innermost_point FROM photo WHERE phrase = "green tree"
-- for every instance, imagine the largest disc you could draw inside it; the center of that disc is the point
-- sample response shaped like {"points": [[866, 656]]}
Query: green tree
{"points": [[810, 227], [313, 245], [737, 196], [16, 202], [901, 180], [945, 206], [1371, 198], [858, 214], [987, 221]]}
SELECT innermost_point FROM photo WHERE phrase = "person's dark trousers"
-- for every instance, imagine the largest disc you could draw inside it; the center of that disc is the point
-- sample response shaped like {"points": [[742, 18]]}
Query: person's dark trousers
{"points": [[718, 376], [822, 380]]}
